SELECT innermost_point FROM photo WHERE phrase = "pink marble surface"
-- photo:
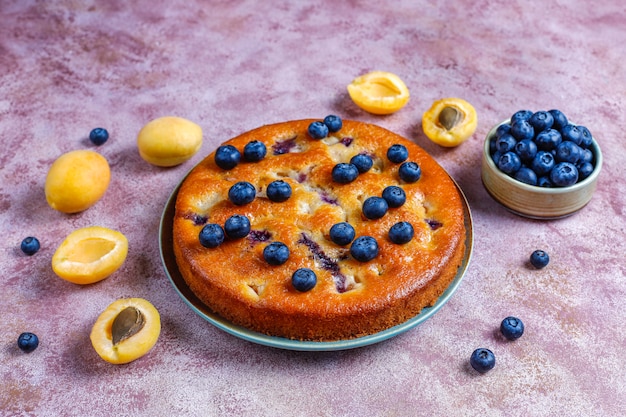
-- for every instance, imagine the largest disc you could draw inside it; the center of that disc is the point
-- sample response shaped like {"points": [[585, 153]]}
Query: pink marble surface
{"points": [[67, 66]]}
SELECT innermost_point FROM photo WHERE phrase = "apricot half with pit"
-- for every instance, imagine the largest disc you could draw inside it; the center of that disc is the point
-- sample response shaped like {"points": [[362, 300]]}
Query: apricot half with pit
{"points": [[450, 121], [126, 330], [168, 141]]}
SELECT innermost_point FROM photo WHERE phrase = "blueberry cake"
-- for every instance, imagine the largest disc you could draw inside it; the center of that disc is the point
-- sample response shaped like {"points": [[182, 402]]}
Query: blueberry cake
{"points": [[318, 229]]}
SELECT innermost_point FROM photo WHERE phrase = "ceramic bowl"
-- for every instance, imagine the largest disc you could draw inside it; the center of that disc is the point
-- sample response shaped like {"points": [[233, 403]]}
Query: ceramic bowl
{"points": [[533, 201]]}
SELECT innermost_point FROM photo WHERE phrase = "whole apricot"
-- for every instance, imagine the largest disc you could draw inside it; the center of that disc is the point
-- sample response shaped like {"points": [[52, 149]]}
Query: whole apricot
{"points": [[169, 141], [77, 180], [126, 330]]}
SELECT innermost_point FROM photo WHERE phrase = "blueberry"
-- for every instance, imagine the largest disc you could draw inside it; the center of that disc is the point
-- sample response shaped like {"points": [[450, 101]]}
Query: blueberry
{"points": [[375, 207], [539, 259], [362, 162], [344, 173], [502, 129], [397, 153], [276, 253], [211, 235], [254, 151], [585, 156], [496, 157], [333, 123], [541, 120], [572, 133], [364, 248], [522, 130], [584, 170], [30, 245], [241, 193], [98, 136], [526, 175], [483, 360], [521, 115], [318, 130], [27, 342], [278, 191], [303, 279], [559, 119], [505, 143], [526, 149], [543, 163], [401, 233], [568, 151], [512, 328], [492, 144], [585, 134], [544, 182], [227, 157], [342, 233], [548, 140], [564, 174], [237, 226], [394, 196], [410, 172], [509, 163]]}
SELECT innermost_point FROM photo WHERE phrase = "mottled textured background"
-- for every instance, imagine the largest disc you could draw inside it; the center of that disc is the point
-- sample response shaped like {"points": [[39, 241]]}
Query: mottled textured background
{"points": [[68, 66]]}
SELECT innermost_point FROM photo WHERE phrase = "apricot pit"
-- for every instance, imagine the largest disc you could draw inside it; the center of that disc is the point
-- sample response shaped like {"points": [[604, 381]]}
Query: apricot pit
{"points": [[127, 330]]}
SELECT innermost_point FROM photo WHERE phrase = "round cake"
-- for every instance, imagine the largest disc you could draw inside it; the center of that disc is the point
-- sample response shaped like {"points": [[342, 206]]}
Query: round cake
{"points": [[252, 230]]}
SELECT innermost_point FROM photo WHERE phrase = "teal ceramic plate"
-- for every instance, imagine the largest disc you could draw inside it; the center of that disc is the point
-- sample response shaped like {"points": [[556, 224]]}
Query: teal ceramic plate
{"points": [[171, 269]]}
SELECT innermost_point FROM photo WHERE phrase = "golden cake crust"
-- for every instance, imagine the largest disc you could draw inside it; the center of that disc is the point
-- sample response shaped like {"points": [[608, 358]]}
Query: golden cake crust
{"points": [[351, 298]]}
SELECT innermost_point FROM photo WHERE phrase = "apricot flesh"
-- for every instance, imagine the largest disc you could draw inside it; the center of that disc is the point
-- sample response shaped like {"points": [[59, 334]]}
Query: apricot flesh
{"points": [[450, 121], [168, 141], [77, 180], [126, 330]]}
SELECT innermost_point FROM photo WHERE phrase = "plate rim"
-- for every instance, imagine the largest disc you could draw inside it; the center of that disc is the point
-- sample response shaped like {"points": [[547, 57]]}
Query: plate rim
{"points": [[184, 292]]}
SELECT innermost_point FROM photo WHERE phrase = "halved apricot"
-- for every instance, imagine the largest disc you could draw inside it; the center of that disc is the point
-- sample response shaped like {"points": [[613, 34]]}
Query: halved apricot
{"points": [[379, 92], [90, 254], [126, 330], [450, 121]]}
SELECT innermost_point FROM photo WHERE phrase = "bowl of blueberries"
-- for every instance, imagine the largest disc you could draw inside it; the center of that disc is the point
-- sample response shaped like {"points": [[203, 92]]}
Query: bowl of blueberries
{"points": [[541, 165]]}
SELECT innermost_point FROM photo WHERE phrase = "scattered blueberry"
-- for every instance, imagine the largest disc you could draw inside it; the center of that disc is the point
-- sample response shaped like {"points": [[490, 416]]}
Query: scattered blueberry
{"points": [[572, 133], [211, 235], [241, 193], [254, 151], [276, 253], [364, 248], [27, 342], [512, 328], [509, 163], [30, 245], [401, 233], [568, 151], [522, 130], [227, 157], [541, 120], [564, 174], [237, 226], [344, 173], [397, 153], [559, 119], [342, 233], [278, 191], [98, 136], [333, 123], [483, 360], [375, 207], [362, 162], [526, 175], [318, 130], [539, 259], [394, 196], [303, 279], [543, 163], [410, 172]]}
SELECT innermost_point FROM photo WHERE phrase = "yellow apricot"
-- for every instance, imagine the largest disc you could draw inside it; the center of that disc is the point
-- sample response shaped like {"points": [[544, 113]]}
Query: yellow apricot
{"points": [[169, 141], [77, 180], [450, 121], [90, 254], [379, 92], [126, 330]]}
